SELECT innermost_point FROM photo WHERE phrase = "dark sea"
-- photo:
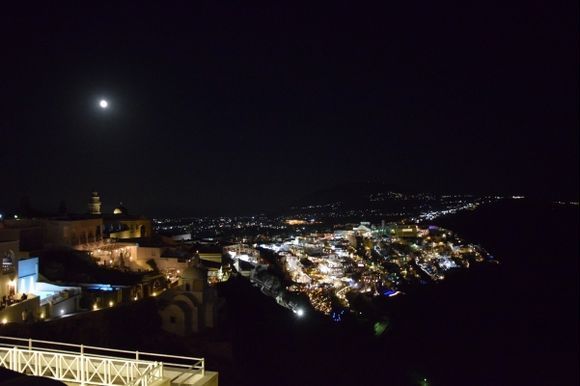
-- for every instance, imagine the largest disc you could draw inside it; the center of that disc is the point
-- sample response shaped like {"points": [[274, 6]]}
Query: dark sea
{"points": [[513, 323]]}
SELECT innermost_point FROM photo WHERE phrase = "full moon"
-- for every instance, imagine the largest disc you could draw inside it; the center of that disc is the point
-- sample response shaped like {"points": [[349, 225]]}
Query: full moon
{"points": [[103, 103]]}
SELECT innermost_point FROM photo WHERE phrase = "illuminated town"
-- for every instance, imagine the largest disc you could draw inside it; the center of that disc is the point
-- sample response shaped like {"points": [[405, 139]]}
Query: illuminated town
{"points": [[319, 255], [67, 264], [331, 268]]}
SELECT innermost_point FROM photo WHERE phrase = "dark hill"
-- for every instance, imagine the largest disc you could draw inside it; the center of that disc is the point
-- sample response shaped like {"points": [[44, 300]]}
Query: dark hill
{"points": [[349, 194]]}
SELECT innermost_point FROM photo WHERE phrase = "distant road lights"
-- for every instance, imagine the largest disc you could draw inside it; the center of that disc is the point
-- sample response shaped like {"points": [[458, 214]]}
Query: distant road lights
{"points": [[103, 103], [111, 304]]}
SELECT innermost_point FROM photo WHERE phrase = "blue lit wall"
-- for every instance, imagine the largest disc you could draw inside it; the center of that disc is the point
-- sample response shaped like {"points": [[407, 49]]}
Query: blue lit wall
{"points": [[27, 275]]}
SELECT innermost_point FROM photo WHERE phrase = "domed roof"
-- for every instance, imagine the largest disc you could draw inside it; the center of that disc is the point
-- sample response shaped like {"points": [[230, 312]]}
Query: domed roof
{"points": [[120, 209]]}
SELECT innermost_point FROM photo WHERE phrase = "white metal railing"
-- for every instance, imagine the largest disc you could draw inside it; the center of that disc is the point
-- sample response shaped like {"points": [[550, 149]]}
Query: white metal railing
{"points": [[90, 365]]}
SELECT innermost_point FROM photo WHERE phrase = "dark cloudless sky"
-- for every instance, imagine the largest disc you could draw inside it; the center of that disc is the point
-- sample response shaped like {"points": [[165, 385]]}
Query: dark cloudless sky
{"points": [[225, 107]]}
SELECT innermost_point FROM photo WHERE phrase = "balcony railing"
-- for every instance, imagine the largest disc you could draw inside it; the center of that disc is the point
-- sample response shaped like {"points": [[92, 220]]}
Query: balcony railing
{"points": [[90, 365]]}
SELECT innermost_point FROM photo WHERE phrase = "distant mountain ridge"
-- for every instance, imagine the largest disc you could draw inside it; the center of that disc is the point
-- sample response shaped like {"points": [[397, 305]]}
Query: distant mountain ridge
{"points": [[347, 194], [371, 199]]}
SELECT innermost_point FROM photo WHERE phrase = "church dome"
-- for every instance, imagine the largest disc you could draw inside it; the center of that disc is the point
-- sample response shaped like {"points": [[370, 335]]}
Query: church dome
{"points": [[120, 209]]}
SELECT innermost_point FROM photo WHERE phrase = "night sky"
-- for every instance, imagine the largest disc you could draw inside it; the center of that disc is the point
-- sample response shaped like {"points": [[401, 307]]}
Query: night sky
{"points": [[227, 108]]}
